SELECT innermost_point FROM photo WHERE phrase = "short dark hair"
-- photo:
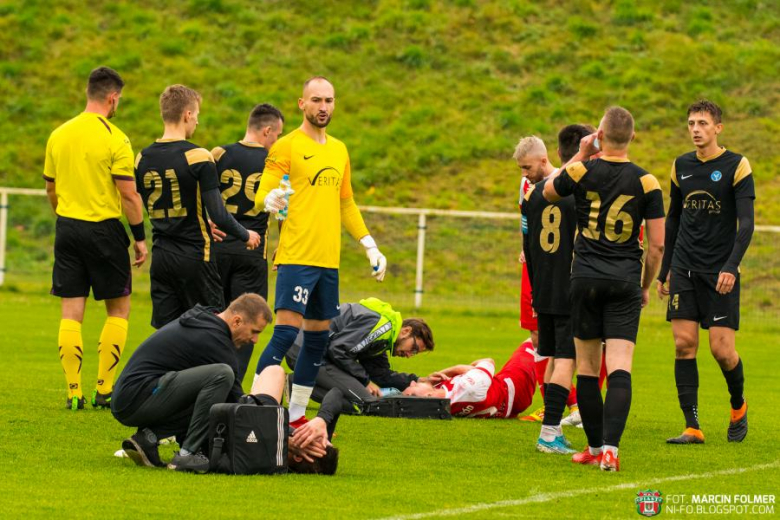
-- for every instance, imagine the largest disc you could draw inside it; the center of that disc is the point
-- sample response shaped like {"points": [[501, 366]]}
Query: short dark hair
{"points": [[175, 99], [618, 126], [264, 115], [102, 82], [569, 140], [326, 465], [250, 306], [421, 330], [704, 105]]}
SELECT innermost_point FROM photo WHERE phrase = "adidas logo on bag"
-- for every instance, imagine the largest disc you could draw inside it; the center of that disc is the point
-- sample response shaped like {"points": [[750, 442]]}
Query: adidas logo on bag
{"points": [[251, 437]]}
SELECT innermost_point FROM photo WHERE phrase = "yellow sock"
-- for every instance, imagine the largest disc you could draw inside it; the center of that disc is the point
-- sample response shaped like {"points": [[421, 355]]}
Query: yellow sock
{"points": [[112, 343], [71, 354]]}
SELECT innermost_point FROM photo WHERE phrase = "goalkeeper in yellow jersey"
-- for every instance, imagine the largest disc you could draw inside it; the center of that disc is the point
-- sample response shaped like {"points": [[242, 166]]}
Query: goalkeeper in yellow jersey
{"points": [[307, 285]]}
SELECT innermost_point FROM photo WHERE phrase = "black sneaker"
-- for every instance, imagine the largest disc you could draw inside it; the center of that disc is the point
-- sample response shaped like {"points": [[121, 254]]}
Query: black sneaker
{"points": [[75, 403], [101, 400], [142, 448], [194, 462]]}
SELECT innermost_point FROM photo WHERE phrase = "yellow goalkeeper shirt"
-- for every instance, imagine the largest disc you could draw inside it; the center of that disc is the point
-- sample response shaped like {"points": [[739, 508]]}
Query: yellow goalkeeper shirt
{"points": [[83, 157], [320, 176]]}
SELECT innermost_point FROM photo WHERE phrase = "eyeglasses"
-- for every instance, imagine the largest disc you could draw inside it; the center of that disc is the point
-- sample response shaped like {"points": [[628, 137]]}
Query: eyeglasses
{"points": [[416, 348]]}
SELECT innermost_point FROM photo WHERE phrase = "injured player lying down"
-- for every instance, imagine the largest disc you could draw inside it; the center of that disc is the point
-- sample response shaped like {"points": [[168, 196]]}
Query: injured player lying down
{"points": [[476, 390]]}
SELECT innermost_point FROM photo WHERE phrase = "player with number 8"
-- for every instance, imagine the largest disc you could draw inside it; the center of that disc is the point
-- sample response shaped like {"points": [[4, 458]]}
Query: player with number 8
{"points": [[548, 246]]}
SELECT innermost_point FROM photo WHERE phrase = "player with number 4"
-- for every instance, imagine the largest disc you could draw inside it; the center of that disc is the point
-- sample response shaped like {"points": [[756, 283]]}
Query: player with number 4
{"points": [[179, 186], [307, 285]]}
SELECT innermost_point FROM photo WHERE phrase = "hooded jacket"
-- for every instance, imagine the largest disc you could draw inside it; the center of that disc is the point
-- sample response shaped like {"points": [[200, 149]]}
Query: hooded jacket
{"points": [[199, 337], [360, 338]]}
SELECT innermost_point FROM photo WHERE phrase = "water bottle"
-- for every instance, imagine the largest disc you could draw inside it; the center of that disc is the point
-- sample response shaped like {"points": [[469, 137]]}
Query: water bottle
{"points": [[386, 392], [285, 186]]}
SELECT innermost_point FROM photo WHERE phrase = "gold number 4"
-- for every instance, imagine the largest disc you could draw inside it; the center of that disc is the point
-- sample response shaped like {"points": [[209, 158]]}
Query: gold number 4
{"points": [[235, 179], [550, 238], [153, 181], [614, 215]]}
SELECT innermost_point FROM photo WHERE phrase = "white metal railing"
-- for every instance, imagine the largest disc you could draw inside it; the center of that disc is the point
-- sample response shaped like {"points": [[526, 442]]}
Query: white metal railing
{"points": [[422, 214]]}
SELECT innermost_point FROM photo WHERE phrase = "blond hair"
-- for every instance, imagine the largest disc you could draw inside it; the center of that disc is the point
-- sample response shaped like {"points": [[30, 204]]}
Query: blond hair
{"points": [[530, 145], [175, 100]]}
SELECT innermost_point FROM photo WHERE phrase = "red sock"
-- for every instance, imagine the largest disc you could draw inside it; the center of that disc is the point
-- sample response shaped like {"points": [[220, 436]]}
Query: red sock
{"points": [[572, 400]]}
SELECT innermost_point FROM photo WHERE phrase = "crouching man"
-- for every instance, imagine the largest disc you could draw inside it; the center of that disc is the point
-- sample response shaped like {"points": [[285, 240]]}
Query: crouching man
{"points": [[176, 375], [356, 359]]}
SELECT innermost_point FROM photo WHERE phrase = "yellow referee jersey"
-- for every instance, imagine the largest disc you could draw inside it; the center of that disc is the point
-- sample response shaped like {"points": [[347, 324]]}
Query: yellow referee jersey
{"points": [[83, 157], [320, 176]]}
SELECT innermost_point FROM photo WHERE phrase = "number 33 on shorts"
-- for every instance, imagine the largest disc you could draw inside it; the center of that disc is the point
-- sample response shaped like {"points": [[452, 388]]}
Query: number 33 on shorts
{"points": [[300, 295]]}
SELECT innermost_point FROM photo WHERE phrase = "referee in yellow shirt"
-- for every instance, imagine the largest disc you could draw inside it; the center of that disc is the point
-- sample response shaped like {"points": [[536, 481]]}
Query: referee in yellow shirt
{"points": [[90, 182], [307, 285]]}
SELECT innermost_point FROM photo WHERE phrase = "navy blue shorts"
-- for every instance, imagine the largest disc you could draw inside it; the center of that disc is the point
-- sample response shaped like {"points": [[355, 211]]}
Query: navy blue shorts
{"points": [[307, 290]]}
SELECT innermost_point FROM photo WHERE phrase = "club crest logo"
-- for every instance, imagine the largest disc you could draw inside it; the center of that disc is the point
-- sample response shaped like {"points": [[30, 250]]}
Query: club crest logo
{"points": [[648, 502], [716, 176]]}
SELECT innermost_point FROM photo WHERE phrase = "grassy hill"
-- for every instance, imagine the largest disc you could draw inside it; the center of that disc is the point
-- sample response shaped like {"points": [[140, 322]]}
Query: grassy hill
{"points": [[431, 99], [431, 95]]}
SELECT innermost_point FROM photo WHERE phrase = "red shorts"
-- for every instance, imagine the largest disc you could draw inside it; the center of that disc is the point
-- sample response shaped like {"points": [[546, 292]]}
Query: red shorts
{"points": [[527, 314], [520, 370]]}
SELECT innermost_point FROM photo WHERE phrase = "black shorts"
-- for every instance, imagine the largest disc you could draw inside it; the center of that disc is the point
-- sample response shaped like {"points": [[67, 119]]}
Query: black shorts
{"points": [[242, 274], [692, 296], [605, 309], [91, 254], [555, 336], [179, 283]]}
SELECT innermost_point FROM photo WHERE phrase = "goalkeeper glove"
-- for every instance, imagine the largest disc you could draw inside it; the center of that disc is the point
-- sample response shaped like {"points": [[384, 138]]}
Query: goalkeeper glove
{"points": [[375, 257], [276, 200]]}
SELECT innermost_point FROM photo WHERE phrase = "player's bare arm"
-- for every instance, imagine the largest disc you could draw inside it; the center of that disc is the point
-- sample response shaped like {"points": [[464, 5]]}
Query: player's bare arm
{"points": [[655, 252], [51, 194], [132, 207]]}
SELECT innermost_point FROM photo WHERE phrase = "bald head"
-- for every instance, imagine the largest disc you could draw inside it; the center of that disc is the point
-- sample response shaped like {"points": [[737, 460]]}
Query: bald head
{"points": [[317, 83], [317, 101]]}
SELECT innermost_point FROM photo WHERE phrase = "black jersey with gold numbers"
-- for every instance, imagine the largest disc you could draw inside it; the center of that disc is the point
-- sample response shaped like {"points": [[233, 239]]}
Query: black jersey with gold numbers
{"points": [[548, 246], [240, 168], [171, 177], [704, 193], [613, 196]]}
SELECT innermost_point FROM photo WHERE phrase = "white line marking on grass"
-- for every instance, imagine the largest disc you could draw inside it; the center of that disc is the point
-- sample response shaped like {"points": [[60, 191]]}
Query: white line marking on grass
{"points": [[547, 497]]}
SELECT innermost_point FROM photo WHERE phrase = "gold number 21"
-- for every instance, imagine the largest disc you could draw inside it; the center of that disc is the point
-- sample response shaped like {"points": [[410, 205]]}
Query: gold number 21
{"points": [[153, 181]]}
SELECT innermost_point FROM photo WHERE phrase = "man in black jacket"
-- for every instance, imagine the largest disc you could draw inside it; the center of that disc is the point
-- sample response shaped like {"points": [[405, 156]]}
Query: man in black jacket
{"points": [[356, 360], [177, 374]]}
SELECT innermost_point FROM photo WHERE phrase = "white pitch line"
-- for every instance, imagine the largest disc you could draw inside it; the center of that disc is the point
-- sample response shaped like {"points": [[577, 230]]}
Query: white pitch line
{"points": [[546, 497]]}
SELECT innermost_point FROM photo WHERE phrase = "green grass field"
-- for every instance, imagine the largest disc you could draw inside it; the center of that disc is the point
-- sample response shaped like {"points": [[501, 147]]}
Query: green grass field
{"points": [[59, 463]]}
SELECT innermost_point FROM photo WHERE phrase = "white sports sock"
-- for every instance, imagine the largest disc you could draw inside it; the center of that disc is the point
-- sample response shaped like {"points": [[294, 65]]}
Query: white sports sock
{"points": [[549, 433], [299, 400], [613, 449], [594, 451]]}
